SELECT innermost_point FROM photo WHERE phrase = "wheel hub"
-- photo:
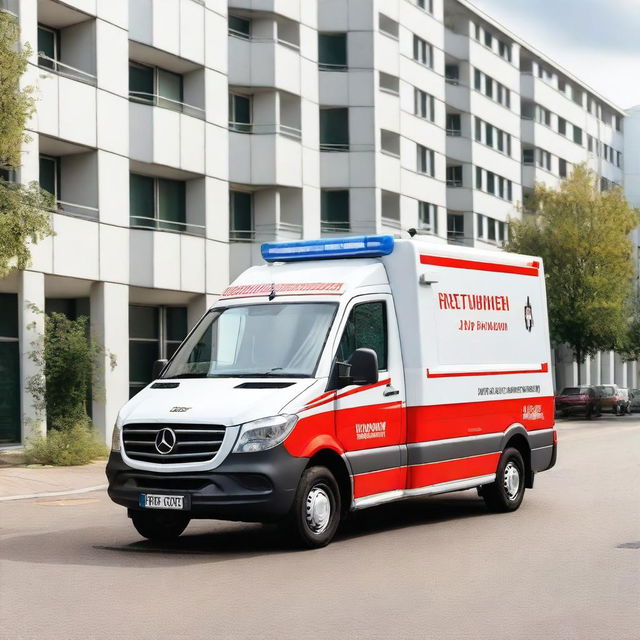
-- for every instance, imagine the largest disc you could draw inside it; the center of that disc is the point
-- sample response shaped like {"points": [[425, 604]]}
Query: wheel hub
{"points": [[511, 480], [318, 510]]}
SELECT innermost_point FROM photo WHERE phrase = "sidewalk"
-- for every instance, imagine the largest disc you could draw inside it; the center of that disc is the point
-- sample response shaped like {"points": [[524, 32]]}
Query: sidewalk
{"points": [[18, 483]]}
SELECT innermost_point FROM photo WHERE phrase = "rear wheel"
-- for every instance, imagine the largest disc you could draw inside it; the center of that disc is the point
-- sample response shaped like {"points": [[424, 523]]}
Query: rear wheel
{"points": [[507, 492], [161, 527], [315, 514]]}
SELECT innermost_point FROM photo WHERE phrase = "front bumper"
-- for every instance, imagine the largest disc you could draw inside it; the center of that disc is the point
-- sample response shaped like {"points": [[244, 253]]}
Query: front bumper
{"points": [[251, 487]]}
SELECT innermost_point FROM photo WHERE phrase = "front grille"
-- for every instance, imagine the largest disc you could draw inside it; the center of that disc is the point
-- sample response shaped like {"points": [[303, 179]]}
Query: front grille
{"points": [[194, 442]]}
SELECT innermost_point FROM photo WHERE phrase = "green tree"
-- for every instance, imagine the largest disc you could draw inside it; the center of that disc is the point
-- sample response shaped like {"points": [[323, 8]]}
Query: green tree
{"points": [[68, 358], [582, 235], [24, 209]]}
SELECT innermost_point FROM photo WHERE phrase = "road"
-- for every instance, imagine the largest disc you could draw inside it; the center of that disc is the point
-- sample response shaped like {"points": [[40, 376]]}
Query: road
{"points": [[566, 565]]}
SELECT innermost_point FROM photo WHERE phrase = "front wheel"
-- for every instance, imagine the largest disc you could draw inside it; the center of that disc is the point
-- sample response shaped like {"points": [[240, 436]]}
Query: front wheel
{"points": [[507, 492], [160, 527], [315, 514]]}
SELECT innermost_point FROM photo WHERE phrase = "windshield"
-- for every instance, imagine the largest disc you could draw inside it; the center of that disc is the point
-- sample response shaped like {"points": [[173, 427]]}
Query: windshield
{"points": [[255, 341]]}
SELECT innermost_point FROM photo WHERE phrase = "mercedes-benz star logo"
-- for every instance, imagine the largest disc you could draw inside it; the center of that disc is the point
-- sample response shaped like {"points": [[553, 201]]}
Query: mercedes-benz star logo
{"points": [[165, 440]]}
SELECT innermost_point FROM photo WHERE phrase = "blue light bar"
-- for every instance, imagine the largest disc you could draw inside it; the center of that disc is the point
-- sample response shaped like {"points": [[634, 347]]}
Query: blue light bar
{"points": [[351, 247]]}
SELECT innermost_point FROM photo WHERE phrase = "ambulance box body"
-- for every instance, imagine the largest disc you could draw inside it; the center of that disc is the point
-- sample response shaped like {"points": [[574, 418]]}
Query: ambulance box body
{"points": [[343, 374]]}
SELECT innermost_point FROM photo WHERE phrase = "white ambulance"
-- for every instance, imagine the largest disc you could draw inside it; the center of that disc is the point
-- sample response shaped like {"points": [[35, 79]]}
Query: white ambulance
{"points": [[343, 374]]}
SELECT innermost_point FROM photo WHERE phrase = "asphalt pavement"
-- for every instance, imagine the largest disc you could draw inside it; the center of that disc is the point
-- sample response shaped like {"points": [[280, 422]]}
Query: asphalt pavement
{"points": [[565, 565]]}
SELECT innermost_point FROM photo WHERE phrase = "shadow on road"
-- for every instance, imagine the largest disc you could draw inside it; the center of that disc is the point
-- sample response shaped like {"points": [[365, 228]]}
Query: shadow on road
{"points": [[106, 546]]}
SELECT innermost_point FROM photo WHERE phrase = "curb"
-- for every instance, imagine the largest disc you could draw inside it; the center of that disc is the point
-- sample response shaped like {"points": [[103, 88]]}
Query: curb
{"points": [[53, 494]]}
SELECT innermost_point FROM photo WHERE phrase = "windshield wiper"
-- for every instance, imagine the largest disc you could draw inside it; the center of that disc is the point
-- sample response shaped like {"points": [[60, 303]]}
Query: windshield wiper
{"points": [[185, 375]]}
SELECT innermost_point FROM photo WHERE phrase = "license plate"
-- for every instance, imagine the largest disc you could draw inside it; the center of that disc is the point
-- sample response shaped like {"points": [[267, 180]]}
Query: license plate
{"points": [[159, 501]]}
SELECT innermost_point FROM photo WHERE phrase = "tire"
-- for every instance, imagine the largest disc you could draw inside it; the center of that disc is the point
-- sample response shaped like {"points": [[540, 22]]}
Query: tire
{"points": [[507, 492], [160, 527], [315, 513]]}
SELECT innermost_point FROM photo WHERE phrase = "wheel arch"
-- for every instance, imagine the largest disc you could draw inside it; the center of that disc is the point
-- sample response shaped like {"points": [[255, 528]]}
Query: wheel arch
{"points": [[517, 437], [337, 465]]}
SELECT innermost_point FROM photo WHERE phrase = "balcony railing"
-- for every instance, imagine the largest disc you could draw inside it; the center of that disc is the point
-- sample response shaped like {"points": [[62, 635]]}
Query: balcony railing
{"points": [[156, 100], [66, 70], [76, 210], [335, 146], [244, 36], [332, 227], [456, 133], [393, 223], [328, 66], [265, 129], [267, 232], [158, 224]]}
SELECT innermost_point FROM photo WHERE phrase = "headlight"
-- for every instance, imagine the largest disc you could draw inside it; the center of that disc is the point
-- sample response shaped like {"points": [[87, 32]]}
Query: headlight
{"points": [[115, 438], [263, 434]]}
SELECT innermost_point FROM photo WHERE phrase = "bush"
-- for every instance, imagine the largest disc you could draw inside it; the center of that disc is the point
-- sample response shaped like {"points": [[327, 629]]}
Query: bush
{"points": [[74, 445]]}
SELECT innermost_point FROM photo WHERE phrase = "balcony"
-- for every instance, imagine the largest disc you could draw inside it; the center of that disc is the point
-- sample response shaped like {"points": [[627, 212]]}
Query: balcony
{"points": [[264, 62]]}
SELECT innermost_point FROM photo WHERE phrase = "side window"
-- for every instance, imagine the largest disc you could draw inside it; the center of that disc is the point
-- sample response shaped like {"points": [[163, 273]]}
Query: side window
{"points": [[366, 327]]}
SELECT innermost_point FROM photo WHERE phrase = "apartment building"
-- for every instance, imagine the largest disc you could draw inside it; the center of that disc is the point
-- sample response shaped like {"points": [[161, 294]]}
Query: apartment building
{"points": [[178, 135]]}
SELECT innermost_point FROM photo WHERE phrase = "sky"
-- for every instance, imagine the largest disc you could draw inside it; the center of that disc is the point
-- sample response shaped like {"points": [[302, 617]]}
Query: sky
{"points": [[598, 41]]}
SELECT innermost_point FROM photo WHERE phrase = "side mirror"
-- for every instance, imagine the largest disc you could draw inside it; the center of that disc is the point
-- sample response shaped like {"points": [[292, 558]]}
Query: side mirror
{"points": [[158, 366], [364, 366]]}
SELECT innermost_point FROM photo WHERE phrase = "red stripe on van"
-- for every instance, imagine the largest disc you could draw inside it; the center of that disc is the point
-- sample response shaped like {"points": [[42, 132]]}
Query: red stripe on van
{"points": [[544, 368], [424, 475], [442, 421], [456, 263], [367, 484]]}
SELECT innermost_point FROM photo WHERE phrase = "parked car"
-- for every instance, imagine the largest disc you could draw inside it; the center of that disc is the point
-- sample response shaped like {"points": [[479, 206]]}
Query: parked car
{"points": [[578, 400], [609, 398], [634, 399], [624, 404]]}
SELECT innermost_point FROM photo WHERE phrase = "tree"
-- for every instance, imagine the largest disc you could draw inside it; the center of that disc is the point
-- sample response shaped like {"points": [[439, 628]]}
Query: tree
{"points": [[582, 235], [24, 209]]}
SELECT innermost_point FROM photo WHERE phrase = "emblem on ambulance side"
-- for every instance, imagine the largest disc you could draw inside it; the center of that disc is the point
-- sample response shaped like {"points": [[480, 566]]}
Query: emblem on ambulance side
{"points": [[528, 315]]}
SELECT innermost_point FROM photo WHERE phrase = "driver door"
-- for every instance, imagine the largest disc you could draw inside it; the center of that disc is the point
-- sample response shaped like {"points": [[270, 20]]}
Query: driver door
{"points": [[371, 419]]}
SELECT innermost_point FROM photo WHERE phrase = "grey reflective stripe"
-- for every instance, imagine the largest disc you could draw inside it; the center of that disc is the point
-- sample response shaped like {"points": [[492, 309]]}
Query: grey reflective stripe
{"points": [[454, 448], [368, 460], [541, 458], [542, 438]]}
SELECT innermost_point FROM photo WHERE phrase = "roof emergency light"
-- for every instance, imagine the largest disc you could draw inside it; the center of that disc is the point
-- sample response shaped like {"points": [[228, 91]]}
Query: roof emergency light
{"points": [[351, 247]]}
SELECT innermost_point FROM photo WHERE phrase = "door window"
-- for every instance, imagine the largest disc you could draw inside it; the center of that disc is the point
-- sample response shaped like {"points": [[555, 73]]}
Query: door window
{"points": [[366, 327]]}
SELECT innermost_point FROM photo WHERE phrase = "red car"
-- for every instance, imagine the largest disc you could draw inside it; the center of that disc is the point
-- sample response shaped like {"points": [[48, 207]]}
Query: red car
{"points": [[572, 400]]}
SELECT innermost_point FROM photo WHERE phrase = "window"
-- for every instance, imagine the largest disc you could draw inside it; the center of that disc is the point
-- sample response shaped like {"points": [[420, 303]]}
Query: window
{"points": [[618, 159], [543, 159], [240, 113], [494, 184], [426, 160], [479, 173], [366, 328], [334, 211], [422, 51], [452, 73], [478, 128], [455, 227], [390, 142], [477, 80], [488, 87], [334, 129], [504, 50], [543, 116], [48, 47], [454, 176], [154, 333], [240, 215], [428, 217], [562, 126], [332, 51], [590, 143], [488, 39], [427, 5], [389, 83], [156, 86], [528, 156], [562, 168], [423, 105], [388, 26], [50, 175], [577, 135], [239, 27], [157, 203], [10, 419], [454, 124]]}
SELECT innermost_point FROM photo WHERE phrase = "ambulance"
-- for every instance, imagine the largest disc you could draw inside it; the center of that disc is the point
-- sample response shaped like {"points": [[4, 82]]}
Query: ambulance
{"points": [[343, 374]]}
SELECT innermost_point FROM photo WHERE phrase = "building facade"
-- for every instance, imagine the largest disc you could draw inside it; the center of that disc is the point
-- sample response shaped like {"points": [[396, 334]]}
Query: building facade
{"points": [[178, 135]]}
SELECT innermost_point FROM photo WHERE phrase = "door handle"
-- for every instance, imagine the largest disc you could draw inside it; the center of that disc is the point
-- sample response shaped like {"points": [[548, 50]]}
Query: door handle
{"points": [[390, 391]]}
